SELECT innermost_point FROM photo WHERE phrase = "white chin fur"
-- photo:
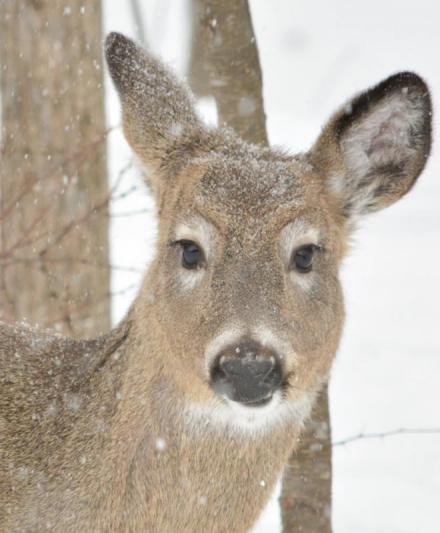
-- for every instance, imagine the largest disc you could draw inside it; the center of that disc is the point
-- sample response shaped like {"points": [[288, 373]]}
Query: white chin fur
{"points": [[228, 415]]}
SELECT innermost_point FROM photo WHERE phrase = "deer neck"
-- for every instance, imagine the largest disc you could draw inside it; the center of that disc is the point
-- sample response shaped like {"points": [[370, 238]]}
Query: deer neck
{"points": [[169, 454]]}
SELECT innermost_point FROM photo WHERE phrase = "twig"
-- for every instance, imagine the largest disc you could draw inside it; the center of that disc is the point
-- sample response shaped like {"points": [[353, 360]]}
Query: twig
{"points": [[73, 260], [390, 433]]}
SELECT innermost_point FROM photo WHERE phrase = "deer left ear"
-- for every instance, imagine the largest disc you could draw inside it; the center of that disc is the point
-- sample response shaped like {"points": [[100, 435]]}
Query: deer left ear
{"points": [[160, 122], [374, 148]]}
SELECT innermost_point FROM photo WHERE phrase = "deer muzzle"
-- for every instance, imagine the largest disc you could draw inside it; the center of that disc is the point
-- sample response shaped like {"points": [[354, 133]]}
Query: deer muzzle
{"points": [[247, 373]]}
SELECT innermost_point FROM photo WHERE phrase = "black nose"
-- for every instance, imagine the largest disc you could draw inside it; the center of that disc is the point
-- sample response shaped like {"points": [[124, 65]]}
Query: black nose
{"points": [[247, 372]]}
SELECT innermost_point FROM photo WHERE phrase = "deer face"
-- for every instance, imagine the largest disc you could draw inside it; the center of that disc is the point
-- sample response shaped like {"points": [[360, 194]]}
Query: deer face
{"points": [[245, 281], [249, 277]]}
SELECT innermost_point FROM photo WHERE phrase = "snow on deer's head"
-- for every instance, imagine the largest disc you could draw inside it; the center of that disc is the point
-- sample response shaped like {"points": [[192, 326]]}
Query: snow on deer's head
{"points": [[247, 298]]}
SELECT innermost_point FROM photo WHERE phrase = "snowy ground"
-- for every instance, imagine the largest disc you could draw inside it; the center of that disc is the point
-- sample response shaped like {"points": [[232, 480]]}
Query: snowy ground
{"points": [[387, 375]]}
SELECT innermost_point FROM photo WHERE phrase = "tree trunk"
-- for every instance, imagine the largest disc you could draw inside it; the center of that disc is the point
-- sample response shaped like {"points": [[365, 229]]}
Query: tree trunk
{"points": [[225, 64], [307, 481], [53, 181]]}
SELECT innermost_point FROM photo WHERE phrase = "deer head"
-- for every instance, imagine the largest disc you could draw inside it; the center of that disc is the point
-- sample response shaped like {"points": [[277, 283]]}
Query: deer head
{"points": [[244, 287]]}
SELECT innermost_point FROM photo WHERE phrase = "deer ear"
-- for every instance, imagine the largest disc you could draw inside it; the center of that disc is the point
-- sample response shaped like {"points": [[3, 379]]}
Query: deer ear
{"points": [[158, 113], [374, 148]]}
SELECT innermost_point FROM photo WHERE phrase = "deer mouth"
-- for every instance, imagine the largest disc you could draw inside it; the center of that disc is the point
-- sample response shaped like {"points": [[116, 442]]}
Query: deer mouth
{"points": [[258, 403], [256, 411]]}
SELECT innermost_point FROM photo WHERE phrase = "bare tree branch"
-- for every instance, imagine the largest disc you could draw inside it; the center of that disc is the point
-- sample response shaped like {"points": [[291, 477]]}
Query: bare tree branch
{"points": [[389, 433]]}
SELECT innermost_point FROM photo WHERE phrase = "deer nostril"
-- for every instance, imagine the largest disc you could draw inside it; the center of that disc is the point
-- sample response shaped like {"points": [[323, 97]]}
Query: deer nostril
{"points": [[217, 371]]}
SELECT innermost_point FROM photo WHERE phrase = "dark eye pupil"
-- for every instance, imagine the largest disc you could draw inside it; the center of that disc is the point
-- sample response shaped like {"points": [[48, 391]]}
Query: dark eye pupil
{"points": [[191, 255], [303, 258]]}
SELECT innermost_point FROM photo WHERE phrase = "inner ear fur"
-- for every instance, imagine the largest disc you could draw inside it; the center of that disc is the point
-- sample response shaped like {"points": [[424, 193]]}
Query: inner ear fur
{"points": [[374, 148]]}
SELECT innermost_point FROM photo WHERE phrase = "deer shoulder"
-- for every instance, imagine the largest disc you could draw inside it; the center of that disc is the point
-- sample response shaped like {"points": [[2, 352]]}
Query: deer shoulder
{"points": [[45, 381]]}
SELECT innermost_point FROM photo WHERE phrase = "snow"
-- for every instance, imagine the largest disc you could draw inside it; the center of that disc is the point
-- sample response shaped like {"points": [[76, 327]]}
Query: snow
{"points": [[160, 444], [72, 401], [315, 56]]}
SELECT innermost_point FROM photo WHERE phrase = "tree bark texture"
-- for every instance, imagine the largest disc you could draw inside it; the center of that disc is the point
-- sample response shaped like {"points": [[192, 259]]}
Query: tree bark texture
{"points": [[53, 178], [225, 64], [307, 481]]}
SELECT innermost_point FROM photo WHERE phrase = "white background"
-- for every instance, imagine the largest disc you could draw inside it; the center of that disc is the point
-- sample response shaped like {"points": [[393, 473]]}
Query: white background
{"points": [[315, 55]]}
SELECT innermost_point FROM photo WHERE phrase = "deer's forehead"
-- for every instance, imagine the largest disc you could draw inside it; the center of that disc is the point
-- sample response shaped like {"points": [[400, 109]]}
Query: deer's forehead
{"points": [[250, 185], [247, 198], [248, 220]]}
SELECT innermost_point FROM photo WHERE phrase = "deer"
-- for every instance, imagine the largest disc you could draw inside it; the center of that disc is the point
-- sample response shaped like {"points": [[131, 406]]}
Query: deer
{"points": [[183, 417]]}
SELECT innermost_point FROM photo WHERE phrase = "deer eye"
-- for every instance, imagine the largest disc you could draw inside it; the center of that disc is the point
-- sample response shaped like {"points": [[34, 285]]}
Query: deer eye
{"points": [[302, 258], [192, 254]]}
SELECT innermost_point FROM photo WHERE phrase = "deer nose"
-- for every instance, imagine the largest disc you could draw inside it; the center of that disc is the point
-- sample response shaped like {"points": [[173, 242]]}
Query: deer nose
{"points": [[247, 373]]}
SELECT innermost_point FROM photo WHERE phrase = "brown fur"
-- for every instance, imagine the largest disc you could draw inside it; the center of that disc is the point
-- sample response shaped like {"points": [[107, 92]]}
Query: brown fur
{"points": [[97, 435]]}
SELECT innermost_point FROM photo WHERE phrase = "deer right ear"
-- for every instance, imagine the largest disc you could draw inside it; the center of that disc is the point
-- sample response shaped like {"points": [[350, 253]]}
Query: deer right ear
{"points": [[158, 112], [372, 151]]}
